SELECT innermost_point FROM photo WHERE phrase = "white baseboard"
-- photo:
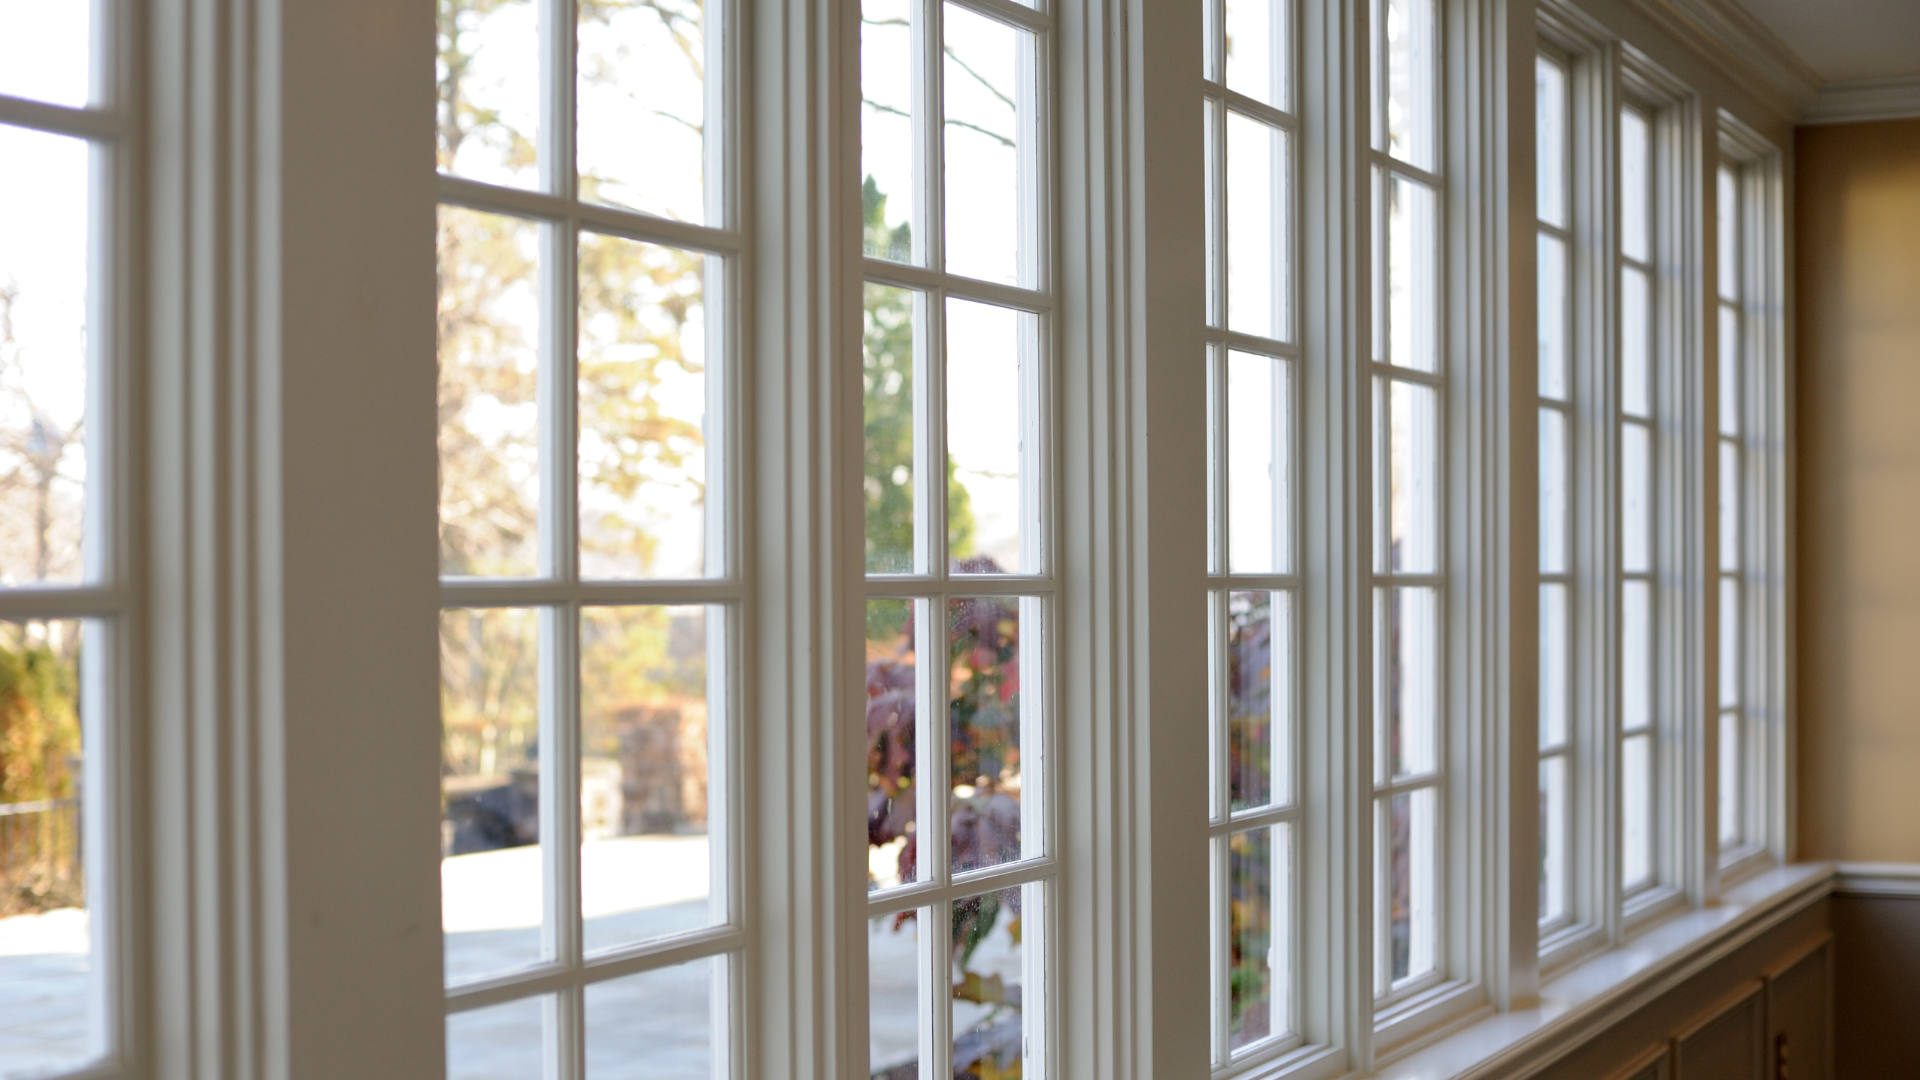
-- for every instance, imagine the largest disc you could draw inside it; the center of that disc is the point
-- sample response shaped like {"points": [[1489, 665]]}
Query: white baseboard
{"points": [[1877, 879]]}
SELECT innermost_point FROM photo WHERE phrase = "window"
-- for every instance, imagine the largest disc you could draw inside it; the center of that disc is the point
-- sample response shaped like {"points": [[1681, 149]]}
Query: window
{"points": [[65, 593], [1408, 382], [959, 530], [590, 641], [1639, 358], [1748, 408], [1646, 652], [1251, 358], [1558, 587], [1732, 824]]}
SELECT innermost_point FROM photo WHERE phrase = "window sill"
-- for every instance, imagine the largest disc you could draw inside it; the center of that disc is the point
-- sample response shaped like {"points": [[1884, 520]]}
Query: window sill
{"points": [[1598, 991]]}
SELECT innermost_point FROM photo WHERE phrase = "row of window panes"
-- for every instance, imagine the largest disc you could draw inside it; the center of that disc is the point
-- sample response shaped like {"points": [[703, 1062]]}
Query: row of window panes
{"points": [[644, 394], [642, 99]]}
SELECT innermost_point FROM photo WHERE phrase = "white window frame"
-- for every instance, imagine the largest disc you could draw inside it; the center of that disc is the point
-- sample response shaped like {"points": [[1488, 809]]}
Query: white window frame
{"points": [[242, 877], [933, 585], [559, 592], [1285, 352], [108, 600], [1765, 491]]}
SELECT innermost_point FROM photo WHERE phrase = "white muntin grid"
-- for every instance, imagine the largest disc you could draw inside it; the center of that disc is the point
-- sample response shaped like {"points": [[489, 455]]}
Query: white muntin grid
{"points": [[1408, 311], [1638, 393], [1252, 352], [936, 582], [104, 599], [1555, 245], [559, 591]]}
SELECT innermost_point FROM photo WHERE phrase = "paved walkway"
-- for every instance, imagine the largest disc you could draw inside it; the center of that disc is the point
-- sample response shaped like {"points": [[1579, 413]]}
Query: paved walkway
{"points": [[653, 1026], [43, 993]]}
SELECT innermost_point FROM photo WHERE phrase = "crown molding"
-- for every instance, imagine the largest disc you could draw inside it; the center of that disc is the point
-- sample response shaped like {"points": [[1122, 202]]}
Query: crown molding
{"points": [[1722, 33], [1897, 98]]}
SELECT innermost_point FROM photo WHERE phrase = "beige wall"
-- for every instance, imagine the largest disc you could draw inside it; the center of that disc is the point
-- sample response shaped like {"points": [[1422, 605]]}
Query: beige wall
{"points": [[1857, 230]]}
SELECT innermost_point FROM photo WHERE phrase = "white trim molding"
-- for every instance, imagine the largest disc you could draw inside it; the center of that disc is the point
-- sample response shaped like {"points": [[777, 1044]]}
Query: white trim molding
{"points": [[1896, 98], [1877, 879], [1722, 33]]}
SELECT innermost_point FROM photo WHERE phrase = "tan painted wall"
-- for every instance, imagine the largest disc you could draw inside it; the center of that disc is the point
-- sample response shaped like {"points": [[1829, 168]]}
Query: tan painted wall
{"points": [[1857, 230]]}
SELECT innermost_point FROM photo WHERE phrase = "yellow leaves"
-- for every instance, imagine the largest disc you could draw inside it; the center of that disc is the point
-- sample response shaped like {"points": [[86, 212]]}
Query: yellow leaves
{"points": [[988, 990]]}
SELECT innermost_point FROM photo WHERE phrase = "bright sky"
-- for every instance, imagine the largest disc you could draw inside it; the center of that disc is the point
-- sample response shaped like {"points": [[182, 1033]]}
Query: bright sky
{"points": [[44, 50]]}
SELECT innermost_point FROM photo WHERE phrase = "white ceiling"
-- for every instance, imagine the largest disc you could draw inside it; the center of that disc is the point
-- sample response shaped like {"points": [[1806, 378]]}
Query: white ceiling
{"points": [[1845, 40]]}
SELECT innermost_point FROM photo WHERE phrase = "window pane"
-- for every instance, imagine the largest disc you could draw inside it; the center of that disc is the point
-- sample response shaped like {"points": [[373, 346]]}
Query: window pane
{"points": [[502, 1042], [641, 95], [989, 222], [892, 751], [1258, 699], [887, 159], [1555, 666], [988, 972], [1729, 506], [488, 74], [1636, 811], [1636, 499], [1636, 343], [1729, 370], [1729, 779], [647, 735], [44, 295], [1412, 915], [1258, 864], [1636, 655], [1410, 80], [1729, 642], [1550, 133], [1257, 244], [492, 888], [1257, 50], [645, 400], [893, 996], [1259, 528], [887, 378], [1556, 467], [1414, 457], [50, 992], [1408, 697], [657, 1025], [1412, 266], [1554, 864], [1636, 187], [983, 709], [988, 352], [1729, 235], [1211, 121], [1555, 351], [489, 327]]}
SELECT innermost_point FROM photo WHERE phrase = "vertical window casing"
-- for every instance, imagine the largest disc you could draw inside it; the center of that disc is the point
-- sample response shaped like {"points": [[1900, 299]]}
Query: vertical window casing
{"points": [[1252, 370], [1408, 595], [591, 578], [961, 575]]}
